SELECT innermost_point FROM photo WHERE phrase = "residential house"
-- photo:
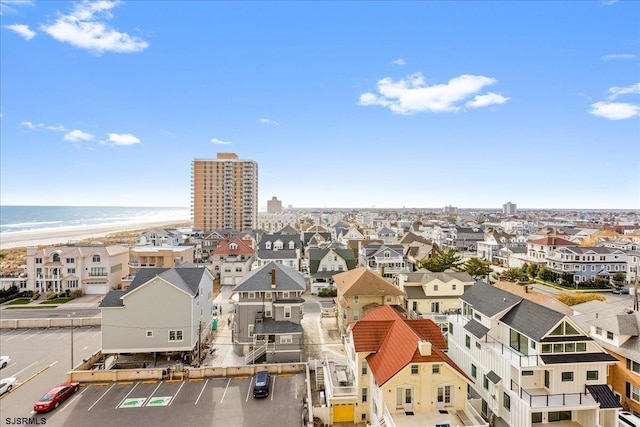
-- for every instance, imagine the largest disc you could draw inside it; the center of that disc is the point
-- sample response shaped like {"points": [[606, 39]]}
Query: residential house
{"points": [[617, 329], [280, 248], [387, 235], [361, 290], [633, 267], [531, 364], [463, 239], [430, 295], [268, 314], [160, 237], [494, 241], [539, 250], [233, 259], [396, 372], [387, 260], [91, 268], [352, 233], [325, 262], [583, 264], [164, 311], [149, 256], [417, 249]]}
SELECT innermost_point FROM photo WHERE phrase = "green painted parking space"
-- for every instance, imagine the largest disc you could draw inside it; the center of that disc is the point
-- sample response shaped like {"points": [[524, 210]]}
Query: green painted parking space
{"points": [[133, 403], [159, 401]]}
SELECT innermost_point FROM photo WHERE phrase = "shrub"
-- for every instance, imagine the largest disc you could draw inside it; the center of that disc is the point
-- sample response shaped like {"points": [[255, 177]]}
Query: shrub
{"points": [[77, 293], [328, 292], [35, 295], [573, 298]]}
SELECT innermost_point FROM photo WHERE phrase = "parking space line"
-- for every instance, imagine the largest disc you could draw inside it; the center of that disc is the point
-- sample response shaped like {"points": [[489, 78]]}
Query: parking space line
{"points": [[202, 391], [62, 336], [273, 387], [152, 393], [31, 336], [17, 335], [98, 333], [225, 390], [47, 336], [21, 371], [72, 400], [176, 395], [103, 394], [249, 391], [125, 398]]}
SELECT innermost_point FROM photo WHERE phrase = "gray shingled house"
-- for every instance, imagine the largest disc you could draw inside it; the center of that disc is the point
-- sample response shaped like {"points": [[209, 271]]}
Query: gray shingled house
{"points": [[268, 314]]}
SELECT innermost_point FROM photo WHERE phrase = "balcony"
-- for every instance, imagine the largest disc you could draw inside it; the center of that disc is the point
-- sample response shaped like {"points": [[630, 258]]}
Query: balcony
{"points": [[541, 398], [339, 378], [98, 274]]}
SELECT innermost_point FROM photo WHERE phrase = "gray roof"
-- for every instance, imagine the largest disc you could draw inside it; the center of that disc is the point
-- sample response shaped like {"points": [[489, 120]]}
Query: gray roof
{"points": [[287, 279], [316, 255], [284, 238], [604, 396], [414, 292], [531, 319], [555, 359], [279, 254], [277, 327], [186, 279], [489, 300], [477, 329], [619, 324], [493, 377], [426, 276], [112, 299]]}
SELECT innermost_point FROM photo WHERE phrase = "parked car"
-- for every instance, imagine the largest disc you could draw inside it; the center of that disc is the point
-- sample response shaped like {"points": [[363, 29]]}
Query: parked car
{"points": [[6, 384], [261, 389], [4, 361], [56, 396]]}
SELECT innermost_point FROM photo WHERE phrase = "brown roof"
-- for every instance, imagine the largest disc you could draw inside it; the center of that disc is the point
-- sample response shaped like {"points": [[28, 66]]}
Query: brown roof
{"points": [[243, 247], [362, 281], [393, 341], [553, 241], [537, 297]]}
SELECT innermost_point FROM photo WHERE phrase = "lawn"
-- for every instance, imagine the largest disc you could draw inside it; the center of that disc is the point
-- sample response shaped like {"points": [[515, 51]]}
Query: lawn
{"points": [[57, 300], [20, 301], [29, 307]]}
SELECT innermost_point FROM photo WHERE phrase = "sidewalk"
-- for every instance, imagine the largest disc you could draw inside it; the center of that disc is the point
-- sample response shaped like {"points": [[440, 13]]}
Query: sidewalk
{"points": [[221, 341]]}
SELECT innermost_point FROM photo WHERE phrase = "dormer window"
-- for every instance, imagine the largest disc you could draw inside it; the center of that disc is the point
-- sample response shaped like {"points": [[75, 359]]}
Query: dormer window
{"points": [[56, 257], [95, 258], [387, 254], [278, 244], [233, 246], [267, 245], [292, 245]]}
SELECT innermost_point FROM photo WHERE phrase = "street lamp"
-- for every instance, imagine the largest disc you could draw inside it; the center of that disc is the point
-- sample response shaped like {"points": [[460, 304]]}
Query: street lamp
{"points": [[71, 317]]}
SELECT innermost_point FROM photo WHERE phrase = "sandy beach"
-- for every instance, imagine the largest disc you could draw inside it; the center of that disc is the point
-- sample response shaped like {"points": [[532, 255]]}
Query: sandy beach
{"points": [[72, 234]]}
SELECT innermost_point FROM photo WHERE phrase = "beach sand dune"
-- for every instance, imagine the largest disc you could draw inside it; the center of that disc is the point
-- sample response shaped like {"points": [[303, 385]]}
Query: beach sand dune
{"points": [[74, 234]]}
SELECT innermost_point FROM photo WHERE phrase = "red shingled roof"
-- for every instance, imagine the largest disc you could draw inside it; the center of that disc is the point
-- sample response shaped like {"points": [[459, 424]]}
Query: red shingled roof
{"points": [[553, 241], [393, 341], [243, 248]]}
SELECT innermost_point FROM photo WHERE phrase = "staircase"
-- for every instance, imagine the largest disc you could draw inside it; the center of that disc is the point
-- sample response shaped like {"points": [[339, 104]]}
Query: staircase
{"points": [[255, 354], [319, 377], [382, 422]]}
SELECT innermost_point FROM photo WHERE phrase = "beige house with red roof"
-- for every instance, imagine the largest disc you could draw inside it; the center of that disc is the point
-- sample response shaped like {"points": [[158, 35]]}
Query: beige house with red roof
{"points": [[232, 259], [540, 249], [361, 290], [402, 375]]}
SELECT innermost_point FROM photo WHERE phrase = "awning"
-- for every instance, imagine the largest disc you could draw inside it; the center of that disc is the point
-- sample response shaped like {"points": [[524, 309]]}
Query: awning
{"points": [[493, 377], [476, 328], [604, 396]]}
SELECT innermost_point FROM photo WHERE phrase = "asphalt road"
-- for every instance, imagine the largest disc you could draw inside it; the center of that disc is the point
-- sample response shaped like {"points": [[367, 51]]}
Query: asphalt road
{"points": [[47, 313]]}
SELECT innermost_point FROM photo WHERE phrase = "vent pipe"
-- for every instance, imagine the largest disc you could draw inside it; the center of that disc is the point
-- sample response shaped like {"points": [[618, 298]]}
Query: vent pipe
{"points": [[273, 278]]}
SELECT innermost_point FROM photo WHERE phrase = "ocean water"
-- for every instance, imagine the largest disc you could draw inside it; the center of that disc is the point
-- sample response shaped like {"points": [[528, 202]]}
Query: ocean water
{"points": [[46, 218]]}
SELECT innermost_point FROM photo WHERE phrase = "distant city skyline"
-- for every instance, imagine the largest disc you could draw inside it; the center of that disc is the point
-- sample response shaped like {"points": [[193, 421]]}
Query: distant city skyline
{"points": [[342, 104]]}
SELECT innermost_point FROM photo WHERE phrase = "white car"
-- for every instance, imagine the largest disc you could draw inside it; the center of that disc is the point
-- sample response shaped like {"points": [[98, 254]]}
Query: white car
{"points": [[4, 361], [6, 384]]}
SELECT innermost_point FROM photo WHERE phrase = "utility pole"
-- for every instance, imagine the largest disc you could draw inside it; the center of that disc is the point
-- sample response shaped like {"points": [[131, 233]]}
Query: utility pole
{"points": [[635, 293], [71, 317]]}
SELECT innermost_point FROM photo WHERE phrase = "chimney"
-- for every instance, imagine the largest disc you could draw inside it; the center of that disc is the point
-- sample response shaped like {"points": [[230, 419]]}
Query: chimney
{"points": [[273, 278], [425, 348], [526, 289]]}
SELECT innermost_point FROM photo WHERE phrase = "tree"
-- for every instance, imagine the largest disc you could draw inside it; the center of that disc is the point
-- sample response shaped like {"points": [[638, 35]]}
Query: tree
{"points": [[512, 274], [443, 261], [544, 274], [532, 270], [477, 268], [619, 277]]}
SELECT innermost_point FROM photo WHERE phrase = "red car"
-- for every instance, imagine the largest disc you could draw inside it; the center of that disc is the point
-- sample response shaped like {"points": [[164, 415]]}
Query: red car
{"points": [[55, 397]]}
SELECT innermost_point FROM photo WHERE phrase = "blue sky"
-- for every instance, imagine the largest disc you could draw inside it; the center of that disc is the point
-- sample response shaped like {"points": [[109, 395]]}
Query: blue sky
{"points": [[342, 104]]}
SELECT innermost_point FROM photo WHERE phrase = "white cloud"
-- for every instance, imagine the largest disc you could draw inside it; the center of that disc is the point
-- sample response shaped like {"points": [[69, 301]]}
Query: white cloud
{"points": [[83, 28], [77, 135], [616, 92], [414, 95], [23, 30], [7, 6], [619, 56], [398, 61], [58, 128], [123, 139], [219, 141], [615, 110], [486, 100], [32, 126], [269, 121], [169, 134]]}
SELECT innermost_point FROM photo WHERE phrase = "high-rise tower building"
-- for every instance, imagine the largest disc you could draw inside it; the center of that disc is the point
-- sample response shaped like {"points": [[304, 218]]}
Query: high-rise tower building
{"points": [[224, 193], [509, 208], [274, 205]]}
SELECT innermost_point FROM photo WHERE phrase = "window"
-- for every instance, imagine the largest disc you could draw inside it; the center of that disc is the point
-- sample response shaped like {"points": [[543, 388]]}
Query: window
{"points": [[435, 288], [252, 295], [609, 335], [435, 307], [485, 382], [592, 375], [71, 270], [598, 330], [287, 312], [546, 348], [70, 260], [635, 393], [506, 401], [467, 341], [435, 369], [149, 334], [633, 366], [477, 345], [267, 295], [356, 315], [474, 371], [477, 316], [415, 370], [286, 339], [581, 346], [175, 335], [569, 347], [536, 417], [72, 283], [267, 245], [559, 416], [95, 258], [364, 394], [356, 298], [518, 342], [38, 260], [527, 373], [567, 376], [285, 295], [450, 328], [453, 287], [363, 367]]}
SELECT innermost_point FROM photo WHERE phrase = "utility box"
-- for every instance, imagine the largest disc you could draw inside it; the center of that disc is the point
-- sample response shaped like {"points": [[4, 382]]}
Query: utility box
{"points": [[214, 323]]}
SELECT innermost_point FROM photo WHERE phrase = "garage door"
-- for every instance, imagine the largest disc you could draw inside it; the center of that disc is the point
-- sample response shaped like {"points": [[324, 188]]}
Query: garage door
{"points": [[227, 281], [342, 413], [96, 289]]}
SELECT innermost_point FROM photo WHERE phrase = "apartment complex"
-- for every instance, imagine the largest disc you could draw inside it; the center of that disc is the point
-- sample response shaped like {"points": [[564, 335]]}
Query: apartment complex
{"points": [[224, 193]]}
